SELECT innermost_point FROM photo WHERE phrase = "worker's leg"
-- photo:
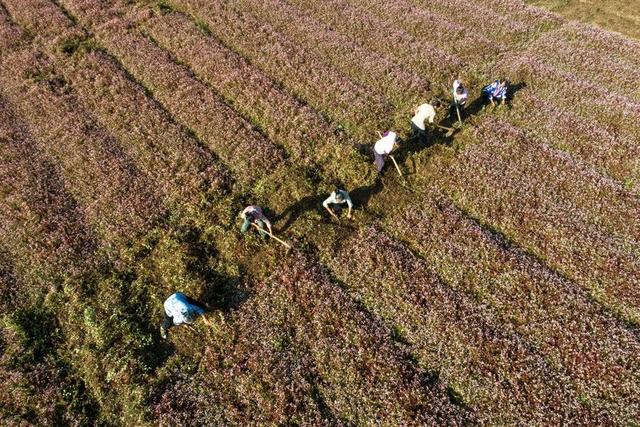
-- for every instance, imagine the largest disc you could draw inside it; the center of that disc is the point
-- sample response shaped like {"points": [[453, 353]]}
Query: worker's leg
{"points": [[418, 133], [261, 227], [336, 208], [379, 161], [166, 324], [452, 110], [245, 225]]}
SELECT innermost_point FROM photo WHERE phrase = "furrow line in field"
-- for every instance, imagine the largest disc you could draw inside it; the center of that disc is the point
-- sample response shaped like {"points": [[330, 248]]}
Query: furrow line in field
{"points": [[185, 172], [582, 229], [610, 152], [579, 337], [432, 28], [564, 90], [290, 122], [593, 55], [351, 105], [41, 225], [483, 362], [402, 87], [248, 154], [503, 21], [177, 160], [303, 319], [380, 37], [94, 166]]}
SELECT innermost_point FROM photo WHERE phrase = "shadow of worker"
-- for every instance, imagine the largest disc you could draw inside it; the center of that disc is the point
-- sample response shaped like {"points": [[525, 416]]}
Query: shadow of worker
{"points": [[362, 195], [295, 211]]}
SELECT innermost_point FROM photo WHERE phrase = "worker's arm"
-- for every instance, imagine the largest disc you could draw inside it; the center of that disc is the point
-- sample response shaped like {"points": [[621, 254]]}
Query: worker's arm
{"points": [[331, 212], [326, 203], [349, 204], [266, 221]]}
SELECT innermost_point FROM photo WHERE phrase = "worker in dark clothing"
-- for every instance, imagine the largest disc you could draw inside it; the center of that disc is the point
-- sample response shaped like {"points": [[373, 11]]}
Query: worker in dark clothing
{"points": [[179, 309]]}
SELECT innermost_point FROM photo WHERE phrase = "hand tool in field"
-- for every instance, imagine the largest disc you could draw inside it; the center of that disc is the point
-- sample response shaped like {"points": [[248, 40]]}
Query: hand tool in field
{"points": [[458, 111], [272, 236], [397, 167]]}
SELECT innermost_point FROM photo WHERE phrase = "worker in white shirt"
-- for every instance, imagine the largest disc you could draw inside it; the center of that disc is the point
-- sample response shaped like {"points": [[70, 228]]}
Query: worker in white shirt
{"points": [[420, 114], [383, 148], [460, 97]]}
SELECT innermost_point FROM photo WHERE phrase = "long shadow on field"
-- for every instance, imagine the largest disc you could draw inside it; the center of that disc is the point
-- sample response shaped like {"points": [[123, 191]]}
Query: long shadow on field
{"points": [[362, 195], [295, 211], [220, 292]]}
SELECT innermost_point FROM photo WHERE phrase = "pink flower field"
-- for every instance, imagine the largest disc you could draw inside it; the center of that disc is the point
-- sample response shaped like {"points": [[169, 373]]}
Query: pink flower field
{"points": [[495, 282]]}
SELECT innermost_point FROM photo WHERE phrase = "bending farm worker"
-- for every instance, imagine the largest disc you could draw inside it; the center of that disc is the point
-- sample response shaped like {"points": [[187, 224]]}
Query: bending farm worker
{"points": [[460, 97], [495, 91], [420, 114], [383, 148], [254, 215], [179, 309], [334, 203]]}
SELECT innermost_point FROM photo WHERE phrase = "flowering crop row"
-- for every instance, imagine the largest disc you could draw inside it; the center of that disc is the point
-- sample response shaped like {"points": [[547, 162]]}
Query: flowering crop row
{"points": [[375, 70], [287, 121], [508, 22], [489, 367], [44, 19], [612, 153], [558, 318], [41, 225], [352, 105], [587, 53], [303, 351], [565, 90], [420, 56], [118, 199], [431, 29], [585, 228], [180, 168], [10, 36], [242, 148]]}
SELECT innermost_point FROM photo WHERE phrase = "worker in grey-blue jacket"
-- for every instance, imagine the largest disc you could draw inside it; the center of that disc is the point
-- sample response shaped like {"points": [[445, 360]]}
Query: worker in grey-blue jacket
{"points": [[179, 309]]}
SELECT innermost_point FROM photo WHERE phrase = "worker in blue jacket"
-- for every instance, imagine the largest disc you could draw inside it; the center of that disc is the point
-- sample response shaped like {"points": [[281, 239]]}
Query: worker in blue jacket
{"points": [[179, 309], [496, 91]]}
